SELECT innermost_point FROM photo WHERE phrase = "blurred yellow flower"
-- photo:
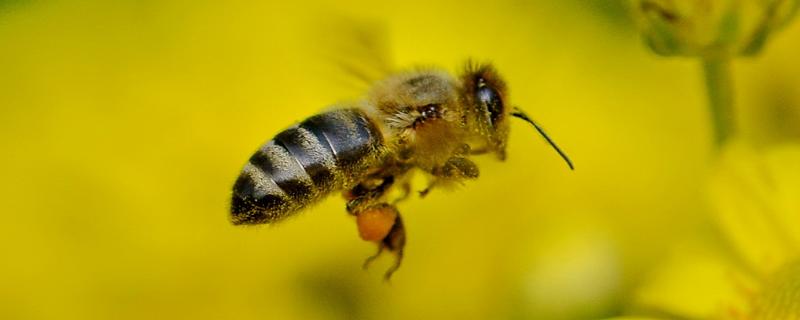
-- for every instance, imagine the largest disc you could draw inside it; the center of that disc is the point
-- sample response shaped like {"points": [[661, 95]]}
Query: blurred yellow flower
{"points": [[755, 197], [710, 27], [756, 207]]}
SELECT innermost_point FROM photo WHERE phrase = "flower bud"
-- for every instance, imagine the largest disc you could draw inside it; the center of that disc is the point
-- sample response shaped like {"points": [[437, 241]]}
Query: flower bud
{"points": [[710, 28]]}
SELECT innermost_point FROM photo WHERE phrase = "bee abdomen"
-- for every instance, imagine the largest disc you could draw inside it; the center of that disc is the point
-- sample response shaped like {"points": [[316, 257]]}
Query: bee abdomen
{"points": [[303, 164]]}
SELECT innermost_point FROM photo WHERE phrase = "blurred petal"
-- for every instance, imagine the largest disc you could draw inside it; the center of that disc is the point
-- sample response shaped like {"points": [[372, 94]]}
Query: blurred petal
{"points": [[695, 283], [756, 205], [574, 272], [780, 299]]}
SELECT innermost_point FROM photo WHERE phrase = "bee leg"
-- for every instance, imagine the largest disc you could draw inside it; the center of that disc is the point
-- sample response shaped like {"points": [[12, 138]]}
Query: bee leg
{"points": [[479, 151], [362, 196], [371, 258], [454, 170], [406, 188], [431, 185], [395, 242], [458, 168], [382, 224], [462, 150]]}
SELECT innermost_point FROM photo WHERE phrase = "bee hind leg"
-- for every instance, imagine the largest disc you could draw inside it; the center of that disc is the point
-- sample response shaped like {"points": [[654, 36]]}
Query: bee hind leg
{"points": [[383, 225], [365, 195], [371, 258], [395, 242]]}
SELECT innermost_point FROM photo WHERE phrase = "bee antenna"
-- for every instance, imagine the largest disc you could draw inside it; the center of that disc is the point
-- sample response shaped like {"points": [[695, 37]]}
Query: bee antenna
{"points": [[520, 114]]}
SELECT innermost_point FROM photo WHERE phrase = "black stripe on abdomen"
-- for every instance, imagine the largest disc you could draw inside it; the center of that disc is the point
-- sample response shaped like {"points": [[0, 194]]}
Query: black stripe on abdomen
{"points": [[271, 187], [257, 198], [276, 161], [350, 136], [312, 154], [302, 164], [251, 204]]}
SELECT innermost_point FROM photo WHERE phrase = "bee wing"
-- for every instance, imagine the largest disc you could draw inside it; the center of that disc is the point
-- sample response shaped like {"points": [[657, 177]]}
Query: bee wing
{"points": [[359, 49]]}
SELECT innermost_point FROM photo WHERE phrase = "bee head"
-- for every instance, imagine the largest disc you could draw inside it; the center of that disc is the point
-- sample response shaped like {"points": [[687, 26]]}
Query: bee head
{"points": [[487, 110], [485, 97]]}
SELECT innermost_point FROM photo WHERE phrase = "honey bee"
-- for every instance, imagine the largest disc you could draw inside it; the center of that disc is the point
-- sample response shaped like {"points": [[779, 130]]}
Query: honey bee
{"points": [[425, 121]]}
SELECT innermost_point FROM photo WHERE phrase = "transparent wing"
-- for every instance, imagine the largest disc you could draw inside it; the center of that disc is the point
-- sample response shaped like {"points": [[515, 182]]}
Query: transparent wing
{"points": [[359, 50]]}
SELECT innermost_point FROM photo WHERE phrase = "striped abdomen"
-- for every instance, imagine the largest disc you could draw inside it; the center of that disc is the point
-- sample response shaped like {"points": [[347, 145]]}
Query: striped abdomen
{"points": [[303, 164]]}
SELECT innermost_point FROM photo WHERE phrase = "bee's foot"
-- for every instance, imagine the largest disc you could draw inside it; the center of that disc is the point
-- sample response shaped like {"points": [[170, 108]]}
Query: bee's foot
{"points": [[424, 192], [371, 258]]}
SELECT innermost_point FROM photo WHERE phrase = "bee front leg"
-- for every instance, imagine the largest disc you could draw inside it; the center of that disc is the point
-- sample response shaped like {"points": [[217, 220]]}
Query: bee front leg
{"points": [[383, 225], [454, 170]]}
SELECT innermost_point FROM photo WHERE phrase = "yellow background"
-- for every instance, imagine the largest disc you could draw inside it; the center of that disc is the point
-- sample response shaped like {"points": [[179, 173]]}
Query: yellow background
{"points": [[123, 125]]}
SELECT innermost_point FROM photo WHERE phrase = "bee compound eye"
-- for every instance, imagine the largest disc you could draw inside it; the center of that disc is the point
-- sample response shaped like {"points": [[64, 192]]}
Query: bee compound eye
{"points": [[490, 99]]}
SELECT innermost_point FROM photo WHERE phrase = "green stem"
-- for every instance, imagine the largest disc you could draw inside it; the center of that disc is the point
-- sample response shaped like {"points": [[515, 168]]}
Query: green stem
{"points": [[720, 97]]}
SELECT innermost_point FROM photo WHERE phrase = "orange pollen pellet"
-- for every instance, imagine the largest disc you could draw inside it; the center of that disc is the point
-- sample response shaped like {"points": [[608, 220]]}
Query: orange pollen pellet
{"points": [[375, 223]]}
